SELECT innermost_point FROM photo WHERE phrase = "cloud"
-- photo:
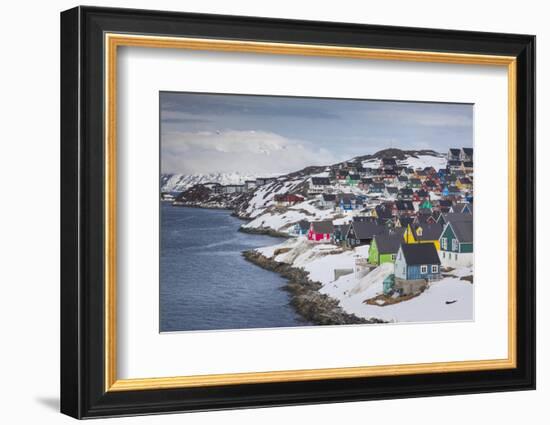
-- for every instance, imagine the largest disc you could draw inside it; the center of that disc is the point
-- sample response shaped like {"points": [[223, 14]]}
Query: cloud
{"points": [[253, 152]]}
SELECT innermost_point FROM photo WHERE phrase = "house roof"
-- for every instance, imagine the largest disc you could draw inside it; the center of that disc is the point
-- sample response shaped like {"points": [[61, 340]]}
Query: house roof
{"points": [[454, 151], [415, 181], [320, 181], [468, 151], [463, 230], [406, 191], [420, 253], [405, 221], [346, 197], [323, 226], [329, 197], [456, 217], [366, 229], [430, 232], [304, 224], [404, 205], [424, 213], [383, 211], [468, 164], [391, 189], [377, 186], [354, 176], [388, 244], [403, 178], [453, 163]]}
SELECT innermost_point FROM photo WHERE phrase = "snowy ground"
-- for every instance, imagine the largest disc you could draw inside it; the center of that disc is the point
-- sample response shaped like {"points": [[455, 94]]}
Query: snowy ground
{"points": [[352, 290], [284, 220], [429, 306]]}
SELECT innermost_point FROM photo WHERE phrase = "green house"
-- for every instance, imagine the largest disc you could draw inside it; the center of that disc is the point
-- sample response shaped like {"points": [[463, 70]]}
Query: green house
{"points": [[353, 179], [383, 248], [426, 204], [457, 244]]}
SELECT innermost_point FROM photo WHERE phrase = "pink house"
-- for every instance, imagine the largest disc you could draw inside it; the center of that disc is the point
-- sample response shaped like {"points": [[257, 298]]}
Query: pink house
{"points": [[320, 231]]}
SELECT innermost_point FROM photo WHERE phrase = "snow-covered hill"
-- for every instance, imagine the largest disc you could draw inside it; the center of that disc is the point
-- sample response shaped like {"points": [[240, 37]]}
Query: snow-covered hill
{"points": [[181, 182], [411, 158]]}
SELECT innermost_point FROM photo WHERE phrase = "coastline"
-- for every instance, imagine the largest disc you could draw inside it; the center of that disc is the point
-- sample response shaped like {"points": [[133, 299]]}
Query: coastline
{"points": [[305, 296], [264, 231], [306, 299]]}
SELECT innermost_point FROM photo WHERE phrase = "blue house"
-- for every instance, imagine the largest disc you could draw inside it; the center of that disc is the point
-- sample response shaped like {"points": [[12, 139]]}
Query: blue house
{"points": [[417, 261], [347, 201], [301, 228]]}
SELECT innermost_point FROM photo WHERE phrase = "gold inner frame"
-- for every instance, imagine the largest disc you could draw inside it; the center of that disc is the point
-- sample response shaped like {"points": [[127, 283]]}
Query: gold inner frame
{"points": [[113, 41]]}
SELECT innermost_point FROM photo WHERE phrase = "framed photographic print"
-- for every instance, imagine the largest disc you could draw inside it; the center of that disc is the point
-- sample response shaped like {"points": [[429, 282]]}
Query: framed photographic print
{"points": [[261, 212]]}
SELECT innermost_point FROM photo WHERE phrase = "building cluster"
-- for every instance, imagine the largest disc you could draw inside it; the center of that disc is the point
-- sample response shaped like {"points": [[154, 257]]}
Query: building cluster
{"points": [[419, 219], [247, 186]]}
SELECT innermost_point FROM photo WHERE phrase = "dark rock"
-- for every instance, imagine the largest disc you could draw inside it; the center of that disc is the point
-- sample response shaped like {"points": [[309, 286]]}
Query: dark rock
{"points": [[305, 296]]}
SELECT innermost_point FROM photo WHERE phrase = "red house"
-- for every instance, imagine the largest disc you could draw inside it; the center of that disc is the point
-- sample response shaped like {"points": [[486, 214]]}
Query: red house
{"points": [[320, 231], [288, 199]]}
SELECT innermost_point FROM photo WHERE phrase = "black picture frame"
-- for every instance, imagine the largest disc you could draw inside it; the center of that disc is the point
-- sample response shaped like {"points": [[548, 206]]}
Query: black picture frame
{"points": [[82, 219]]}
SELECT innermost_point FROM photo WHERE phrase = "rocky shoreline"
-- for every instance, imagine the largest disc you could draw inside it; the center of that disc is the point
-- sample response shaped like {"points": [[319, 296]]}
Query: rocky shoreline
{"points": [[305, 296], [264, 231]]}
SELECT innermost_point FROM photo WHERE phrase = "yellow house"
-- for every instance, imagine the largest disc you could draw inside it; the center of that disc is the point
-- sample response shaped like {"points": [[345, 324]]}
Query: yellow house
{"points": [[424, 233], [464, 183]]}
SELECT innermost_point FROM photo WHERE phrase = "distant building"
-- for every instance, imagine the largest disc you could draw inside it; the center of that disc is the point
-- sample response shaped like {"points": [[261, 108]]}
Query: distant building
{"points": [[250, 184], [362, 232], [233, 188], [388, 164], [320, 231], [467, 154], [453, 154], [318, 185], [261, 181], [288, 199]]}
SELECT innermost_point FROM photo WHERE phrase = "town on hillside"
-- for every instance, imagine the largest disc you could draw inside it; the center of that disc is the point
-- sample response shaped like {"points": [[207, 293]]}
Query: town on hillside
{"points": [[377, 232]]}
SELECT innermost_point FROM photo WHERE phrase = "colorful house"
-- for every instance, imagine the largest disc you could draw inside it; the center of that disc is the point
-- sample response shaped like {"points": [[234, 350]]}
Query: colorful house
{"points": [[340, 232], [301, 228], [288, 199], [423, 233], [426, 204], [457, 244], [464, 183], [318, 184], [353, 179], [320, 231], [347, 201], [384, 247], [417, 261], [362, 232], [328, 200], [462, 207], [453, 154]]}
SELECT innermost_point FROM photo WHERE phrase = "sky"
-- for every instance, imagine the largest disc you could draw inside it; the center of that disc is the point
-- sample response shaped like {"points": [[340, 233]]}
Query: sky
{"points": [[256, 135]]}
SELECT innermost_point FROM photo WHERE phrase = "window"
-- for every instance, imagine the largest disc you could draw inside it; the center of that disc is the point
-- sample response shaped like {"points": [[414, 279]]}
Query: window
{"points": [[393, 257], [423, 269], [444, 243], [434, 269], [455, 245]]}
